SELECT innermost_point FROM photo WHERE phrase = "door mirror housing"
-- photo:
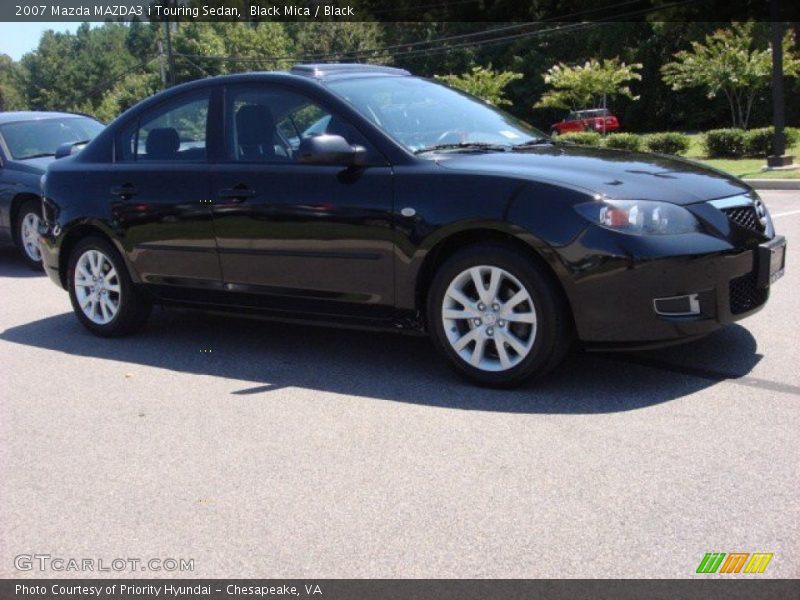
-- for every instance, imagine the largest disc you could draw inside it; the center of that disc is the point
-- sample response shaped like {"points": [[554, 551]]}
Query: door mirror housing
{"points": [[330, 150], [69, 148]]}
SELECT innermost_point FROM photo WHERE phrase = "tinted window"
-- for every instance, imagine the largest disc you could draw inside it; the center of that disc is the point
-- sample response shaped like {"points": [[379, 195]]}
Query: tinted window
{"points": [[29, 139], [176, 131], [419, 113], [266, 124]]}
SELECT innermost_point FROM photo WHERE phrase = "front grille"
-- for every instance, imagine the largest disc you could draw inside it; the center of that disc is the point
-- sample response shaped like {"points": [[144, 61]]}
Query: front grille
{"points": [[744, 216], [745, 294]]}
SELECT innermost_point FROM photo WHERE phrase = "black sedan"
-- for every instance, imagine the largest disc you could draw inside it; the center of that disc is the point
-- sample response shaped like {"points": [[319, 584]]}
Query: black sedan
{"points": [[28, 143], [415, 208]]}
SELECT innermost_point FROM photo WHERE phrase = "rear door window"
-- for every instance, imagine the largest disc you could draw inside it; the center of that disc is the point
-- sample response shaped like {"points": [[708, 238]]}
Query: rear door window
{"points": [[176, 131]]}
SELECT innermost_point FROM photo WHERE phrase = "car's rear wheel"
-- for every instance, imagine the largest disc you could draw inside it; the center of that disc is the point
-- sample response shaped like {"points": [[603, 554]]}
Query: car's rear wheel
{"points": [[497, 316], [27, 233], [103, 297]]}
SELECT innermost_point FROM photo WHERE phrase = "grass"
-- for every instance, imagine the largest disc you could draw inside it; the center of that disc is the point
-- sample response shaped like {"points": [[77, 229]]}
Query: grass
{"points": [[745, 168]]}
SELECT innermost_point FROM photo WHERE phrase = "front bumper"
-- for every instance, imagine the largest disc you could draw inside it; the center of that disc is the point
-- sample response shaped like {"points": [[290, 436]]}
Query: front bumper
{"points": [[615, 302]]}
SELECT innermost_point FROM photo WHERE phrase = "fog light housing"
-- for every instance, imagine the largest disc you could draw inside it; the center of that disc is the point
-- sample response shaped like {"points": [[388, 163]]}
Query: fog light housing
{"points": [[677, 306]]}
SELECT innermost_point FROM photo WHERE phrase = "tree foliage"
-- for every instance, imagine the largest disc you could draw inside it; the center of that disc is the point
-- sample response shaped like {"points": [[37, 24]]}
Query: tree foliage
{"points": [[337, 41], [69, 71], [105, 68], [484, 82], [587, 85], [11, 80], [732, 62], [125, 93], [248, 46]]}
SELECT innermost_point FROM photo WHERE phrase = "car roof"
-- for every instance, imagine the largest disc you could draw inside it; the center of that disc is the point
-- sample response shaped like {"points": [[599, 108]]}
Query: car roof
{"points": [[34, 115]]}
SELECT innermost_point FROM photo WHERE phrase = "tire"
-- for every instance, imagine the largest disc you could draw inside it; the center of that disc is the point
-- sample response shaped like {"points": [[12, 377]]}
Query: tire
{"points": [[113, 307], [26, 233], [539, 321]]}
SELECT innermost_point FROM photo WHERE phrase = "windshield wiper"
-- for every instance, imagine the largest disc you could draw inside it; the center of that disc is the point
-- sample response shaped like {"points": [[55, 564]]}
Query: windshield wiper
{"points": [[539, 141], [464, 146], [42, 155]]}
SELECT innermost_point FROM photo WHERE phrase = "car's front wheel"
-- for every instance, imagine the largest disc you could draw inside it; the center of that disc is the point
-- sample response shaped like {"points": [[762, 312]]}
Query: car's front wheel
{"points": [[497, 316], [102, 294], [27, 233]]}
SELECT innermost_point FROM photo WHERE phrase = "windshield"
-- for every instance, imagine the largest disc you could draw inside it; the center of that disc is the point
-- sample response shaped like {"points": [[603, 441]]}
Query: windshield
{"points": [[420, 114], [31, 139]]}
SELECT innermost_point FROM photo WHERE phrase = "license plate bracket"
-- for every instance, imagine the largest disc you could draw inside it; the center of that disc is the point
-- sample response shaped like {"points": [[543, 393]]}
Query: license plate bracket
{"points": [[771, 261]]}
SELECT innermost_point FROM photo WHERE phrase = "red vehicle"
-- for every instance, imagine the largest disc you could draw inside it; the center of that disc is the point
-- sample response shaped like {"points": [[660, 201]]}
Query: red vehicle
{"points": [[595, 119]]}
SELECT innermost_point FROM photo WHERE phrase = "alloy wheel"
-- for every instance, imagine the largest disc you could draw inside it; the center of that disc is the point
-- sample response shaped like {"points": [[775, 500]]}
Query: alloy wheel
{"points": [[97, 287], [29, 236], [489, 318]]}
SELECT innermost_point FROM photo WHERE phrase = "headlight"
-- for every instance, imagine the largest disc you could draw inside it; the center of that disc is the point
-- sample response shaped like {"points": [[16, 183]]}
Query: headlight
{"points": [[640, 217]]}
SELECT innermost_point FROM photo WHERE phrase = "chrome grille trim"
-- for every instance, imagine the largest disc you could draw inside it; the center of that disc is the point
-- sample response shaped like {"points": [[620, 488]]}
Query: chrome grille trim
{"points": [[732, 202]]}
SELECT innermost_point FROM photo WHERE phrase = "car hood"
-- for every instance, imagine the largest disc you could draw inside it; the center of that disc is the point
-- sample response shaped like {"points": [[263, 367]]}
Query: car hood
{"points": [[614, 173], [33, 165]]}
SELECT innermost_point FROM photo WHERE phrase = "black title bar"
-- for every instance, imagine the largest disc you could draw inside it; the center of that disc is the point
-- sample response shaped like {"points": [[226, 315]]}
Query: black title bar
{"points": [[395, 10]]}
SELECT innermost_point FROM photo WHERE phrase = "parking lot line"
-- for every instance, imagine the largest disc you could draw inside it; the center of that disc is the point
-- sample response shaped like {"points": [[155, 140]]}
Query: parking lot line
{"points": [[786, 214]]}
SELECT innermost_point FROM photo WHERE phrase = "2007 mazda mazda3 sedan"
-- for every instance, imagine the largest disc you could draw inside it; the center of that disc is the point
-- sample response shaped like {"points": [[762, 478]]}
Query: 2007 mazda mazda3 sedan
{"points": [[360, 195]]}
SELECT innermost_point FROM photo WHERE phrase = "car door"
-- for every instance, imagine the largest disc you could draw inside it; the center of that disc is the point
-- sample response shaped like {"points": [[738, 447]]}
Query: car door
{"points": [[160, 185], [300, 237]]}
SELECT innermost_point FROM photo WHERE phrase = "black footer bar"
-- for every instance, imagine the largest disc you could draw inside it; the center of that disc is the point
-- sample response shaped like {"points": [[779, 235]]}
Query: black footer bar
{"points": [[399, 589]]}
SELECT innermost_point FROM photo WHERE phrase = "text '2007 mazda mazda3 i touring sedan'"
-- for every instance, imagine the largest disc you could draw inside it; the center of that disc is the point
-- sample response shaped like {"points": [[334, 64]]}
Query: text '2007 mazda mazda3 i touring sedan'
{"points": [[360, 195]]}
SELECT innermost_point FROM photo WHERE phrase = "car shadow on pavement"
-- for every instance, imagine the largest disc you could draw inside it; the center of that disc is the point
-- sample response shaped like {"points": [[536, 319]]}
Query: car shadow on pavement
{"points": [[12, 265], [260, 358]]}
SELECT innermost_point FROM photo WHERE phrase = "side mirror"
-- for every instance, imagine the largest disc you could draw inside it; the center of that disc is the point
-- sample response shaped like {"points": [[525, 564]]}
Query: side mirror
{"points": [[330, 150], [69, 148]]}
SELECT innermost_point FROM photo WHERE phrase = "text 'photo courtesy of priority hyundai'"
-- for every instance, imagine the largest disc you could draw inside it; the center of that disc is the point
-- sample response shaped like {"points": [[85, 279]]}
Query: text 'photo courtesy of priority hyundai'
{"points": [[361, 195]]}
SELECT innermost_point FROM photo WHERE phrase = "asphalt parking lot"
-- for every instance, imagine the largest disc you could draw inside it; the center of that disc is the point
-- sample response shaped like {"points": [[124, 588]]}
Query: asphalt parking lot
{"points": [[273, 450]]}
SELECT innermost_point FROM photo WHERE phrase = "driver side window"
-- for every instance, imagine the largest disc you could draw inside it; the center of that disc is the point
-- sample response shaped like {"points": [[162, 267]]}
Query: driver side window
{"points": [[267, 124]]}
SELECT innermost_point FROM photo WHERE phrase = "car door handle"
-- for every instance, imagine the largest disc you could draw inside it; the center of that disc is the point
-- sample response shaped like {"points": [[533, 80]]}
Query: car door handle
{"points": [[124, 191], [240, 193]]}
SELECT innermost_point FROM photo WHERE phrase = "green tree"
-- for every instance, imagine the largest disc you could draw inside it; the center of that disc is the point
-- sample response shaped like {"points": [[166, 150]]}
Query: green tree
{"points": [[206, 49], [266, 43], [484, 82], [142, 36], [733, 62], [191, 43], [46, 67], [73, 71], [336, 40], [125, 93], [11, 94], [589, 84]]}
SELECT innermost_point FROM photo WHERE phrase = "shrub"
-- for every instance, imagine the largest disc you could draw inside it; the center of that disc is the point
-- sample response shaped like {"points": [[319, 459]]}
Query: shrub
{"points": [[792, 136], [720, 143], [669, 142], [759, 142], [624, 141], [582, 138]]}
